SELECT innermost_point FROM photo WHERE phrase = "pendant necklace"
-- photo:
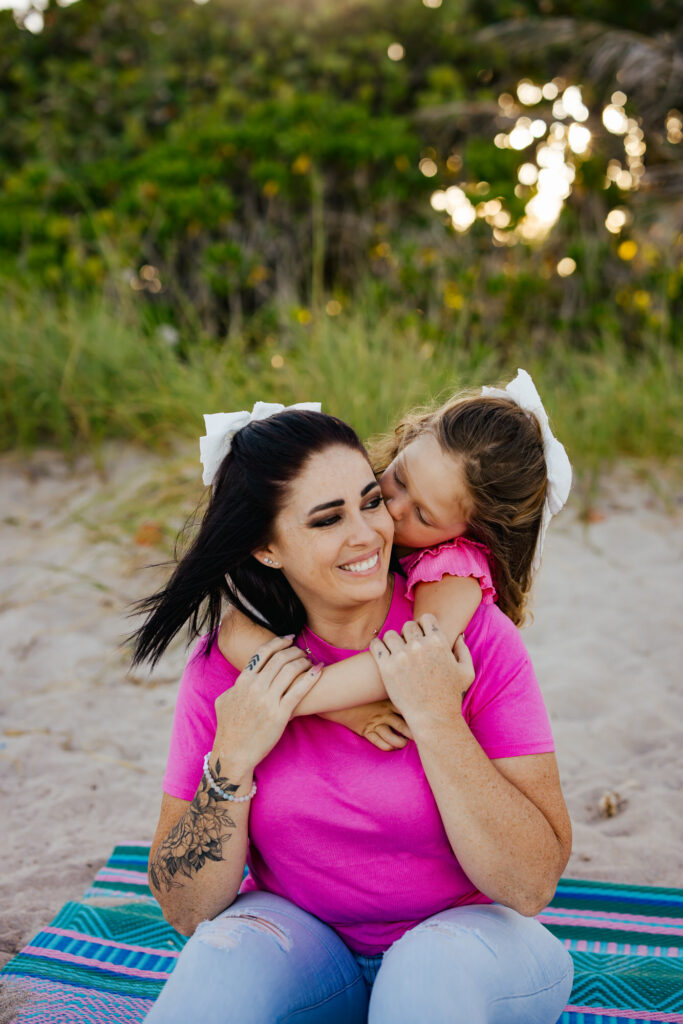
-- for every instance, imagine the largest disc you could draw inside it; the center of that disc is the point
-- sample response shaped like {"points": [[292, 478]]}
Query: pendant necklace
{"points": [[375, 632]]}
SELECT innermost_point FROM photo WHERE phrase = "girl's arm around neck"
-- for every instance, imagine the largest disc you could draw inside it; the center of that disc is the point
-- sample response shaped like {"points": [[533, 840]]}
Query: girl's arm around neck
{"points": [[345, 685], [356, 681]]}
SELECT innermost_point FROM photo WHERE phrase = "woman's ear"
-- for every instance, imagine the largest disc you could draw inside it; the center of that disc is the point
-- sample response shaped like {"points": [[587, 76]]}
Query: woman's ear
{"points": [[267, 557]]}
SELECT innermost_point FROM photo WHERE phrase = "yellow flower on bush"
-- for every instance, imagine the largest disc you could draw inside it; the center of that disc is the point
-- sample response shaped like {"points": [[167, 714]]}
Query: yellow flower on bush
{"points": [[257, 275], [627, 250], [452, 296], [302, 164], [641, 300]]}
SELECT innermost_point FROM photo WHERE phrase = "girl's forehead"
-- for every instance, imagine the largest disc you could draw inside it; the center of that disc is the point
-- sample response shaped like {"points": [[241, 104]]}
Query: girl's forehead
{"points": [[435, 475]]}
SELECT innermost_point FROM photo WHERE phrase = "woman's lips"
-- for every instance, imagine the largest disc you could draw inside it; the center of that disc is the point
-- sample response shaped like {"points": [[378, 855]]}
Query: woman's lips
{"points": [[362, 566]]}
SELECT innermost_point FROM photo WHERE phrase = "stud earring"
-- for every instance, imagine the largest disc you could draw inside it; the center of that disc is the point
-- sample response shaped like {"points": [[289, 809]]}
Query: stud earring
{"points": [[269, 561]]}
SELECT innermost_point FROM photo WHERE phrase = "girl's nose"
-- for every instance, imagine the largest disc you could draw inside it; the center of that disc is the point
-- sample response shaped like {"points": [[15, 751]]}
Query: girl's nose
{"points": [[397, 508]]}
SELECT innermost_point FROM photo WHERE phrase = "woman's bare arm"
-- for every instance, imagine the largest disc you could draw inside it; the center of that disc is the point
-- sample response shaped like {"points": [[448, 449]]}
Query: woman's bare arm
{"points": [[506, 819], [199, 851]]}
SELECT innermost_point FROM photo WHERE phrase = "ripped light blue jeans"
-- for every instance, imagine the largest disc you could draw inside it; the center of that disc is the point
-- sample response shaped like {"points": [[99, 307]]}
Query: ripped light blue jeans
{"points": [[266, 961]]}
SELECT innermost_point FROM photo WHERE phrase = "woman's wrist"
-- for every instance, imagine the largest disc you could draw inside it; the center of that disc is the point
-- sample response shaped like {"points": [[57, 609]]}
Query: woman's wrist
{"points": [[429, 724], [228, 763]]}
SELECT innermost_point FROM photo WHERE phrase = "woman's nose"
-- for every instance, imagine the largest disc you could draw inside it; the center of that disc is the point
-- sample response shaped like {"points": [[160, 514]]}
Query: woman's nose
{"points": [[362, 532]]}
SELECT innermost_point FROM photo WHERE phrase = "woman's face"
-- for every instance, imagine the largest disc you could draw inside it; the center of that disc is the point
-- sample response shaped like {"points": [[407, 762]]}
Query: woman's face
{"points": [[333, 537], [427, 495]]}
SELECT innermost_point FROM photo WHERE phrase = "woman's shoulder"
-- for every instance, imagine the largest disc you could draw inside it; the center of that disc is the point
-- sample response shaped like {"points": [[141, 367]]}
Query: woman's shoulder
{"points": [[207, 672], [495, 642]]}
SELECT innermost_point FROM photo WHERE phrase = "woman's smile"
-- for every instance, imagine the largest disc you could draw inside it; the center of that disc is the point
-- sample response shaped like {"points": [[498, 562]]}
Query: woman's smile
{"points": [[363, 566]]}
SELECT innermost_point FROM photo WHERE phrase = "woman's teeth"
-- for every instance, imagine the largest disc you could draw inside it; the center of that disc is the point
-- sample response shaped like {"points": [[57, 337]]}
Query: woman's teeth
{"points": [[369, 563]]}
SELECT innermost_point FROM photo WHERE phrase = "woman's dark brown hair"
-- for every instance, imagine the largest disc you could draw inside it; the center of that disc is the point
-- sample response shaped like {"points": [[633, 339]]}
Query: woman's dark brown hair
{"points": [[250, 488], [501, 451]]}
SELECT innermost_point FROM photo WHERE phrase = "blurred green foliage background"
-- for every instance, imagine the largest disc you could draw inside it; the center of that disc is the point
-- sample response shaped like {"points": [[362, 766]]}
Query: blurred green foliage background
{"points": [[206, 204]]}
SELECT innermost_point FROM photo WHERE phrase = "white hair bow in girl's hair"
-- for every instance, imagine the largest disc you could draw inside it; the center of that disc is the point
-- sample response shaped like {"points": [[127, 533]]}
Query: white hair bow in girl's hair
{"points": [[523, 391], [221, 427]]}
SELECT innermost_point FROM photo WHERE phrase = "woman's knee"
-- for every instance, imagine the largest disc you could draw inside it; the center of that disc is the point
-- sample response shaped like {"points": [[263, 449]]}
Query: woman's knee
{"points": [[476, 964], [259, 962]]}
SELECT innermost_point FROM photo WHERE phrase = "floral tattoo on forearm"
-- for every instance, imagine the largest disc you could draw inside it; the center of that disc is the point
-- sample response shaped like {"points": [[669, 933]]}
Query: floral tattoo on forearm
{"points": [[199, 836]]}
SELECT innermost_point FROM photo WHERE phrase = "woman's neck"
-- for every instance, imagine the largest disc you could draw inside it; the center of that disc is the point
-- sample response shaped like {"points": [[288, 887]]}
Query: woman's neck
{"points": [[351, 627]]}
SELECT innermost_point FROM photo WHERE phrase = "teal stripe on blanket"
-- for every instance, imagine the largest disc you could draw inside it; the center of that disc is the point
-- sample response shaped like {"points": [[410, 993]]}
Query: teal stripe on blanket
{"points": [[106, 957]]}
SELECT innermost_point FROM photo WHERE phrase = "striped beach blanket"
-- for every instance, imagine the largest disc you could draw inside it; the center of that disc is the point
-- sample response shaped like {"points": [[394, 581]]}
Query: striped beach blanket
{"points": [[105, 958]]}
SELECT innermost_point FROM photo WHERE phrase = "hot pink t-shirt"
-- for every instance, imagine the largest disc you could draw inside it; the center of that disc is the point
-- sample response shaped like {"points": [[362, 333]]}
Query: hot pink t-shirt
{"points": [[346, 831]]}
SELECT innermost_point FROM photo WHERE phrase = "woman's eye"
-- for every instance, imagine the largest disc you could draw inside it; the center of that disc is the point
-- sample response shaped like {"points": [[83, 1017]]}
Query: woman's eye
{"points": [[325, 522], [375, 502], [421, 517]]}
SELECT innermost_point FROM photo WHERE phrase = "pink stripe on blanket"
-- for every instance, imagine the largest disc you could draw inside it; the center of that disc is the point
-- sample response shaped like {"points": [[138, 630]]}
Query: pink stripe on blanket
{"points": [[673, 923], [642, 1015], [102, 965], [122, 875], [606, 923], [108, 942]]}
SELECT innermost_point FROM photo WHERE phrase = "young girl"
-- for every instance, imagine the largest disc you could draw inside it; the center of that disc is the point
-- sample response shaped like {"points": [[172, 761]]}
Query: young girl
{"points": [[471, 488]]}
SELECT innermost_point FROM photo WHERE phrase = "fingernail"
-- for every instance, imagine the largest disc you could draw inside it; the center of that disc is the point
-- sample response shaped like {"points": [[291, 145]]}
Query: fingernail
{"points": [[317, 668], [289, 636]]}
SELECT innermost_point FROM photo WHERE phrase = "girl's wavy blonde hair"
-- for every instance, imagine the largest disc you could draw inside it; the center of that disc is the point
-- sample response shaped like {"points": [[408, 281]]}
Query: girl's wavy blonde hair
{"points": [[501, 451]]}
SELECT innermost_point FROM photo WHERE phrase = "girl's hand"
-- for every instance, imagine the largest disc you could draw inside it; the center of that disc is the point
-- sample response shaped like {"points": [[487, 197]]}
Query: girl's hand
{"points": [[251, 716], [423, 677], [379, 723]]}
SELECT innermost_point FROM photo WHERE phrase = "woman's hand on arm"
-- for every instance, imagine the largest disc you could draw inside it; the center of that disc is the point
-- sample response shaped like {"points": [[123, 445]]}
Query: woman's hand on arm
{"points": [[506, 820], [239, 637], [199, 850], [343, 694]]}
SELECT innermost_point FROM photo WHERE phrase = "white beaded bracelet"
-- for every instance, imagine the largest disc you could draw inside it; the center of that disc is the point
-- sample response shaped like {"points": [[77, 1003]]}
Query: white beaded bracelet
{"points": [[221, 792]]}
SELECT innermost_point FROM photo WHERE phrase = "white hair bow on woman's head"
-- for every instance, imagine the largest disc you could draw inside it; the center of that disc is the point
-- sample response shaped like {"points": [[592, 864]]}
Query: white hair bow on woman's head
{"points": [[221, 427], [523, 391]]}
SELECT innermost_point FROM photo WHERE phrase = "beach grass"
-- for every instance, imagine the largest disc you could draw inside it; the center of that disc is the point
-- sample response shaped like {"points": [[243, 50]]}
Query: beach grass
{"points": [[75, 375]]}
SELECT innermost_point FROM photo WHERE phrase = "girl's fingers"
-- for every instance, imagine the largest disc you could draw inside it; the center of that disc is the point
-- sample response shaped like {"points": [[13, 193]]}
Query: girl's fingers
{"points": [[377, 741], [399, 724], [389, 736]]}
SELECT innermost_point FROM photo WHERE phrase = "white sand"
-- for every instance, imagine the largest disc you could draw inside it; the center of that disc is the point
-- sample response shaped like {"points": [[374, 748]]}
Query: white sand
{"points": [[83, 744]]}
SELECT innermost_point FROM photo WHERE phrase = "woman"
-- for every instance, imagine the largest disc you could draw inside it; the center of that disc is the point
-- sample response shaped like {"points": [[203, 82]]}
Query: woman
{"points": [[382, 887]]}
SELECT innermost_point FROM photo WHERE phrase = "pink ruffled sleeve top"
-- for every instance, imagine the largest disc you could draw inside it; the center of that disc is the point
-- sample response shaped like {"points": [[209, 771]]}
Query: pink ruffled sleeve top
{"points": [[348, 832], [458, 557]]}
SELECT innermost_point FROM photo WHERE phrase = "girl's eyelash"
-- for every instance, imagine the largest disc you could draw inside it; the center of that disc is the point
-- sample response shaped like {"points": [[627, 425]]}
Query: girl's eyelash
{"points": [[417, 508]]}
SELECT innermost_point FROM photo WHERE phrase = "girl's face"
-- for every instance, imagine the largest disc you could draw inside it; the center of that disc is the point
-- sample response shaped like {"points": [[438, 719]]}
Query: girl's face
{"points": [[426, 493], [333, 537]]}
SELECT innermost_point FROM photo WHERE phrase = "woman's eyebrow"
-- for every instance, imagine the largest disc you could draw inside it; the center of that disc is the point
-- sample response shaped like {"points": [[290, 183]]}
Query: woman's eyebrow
{"points": [[328, 504], [340, 501]]}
